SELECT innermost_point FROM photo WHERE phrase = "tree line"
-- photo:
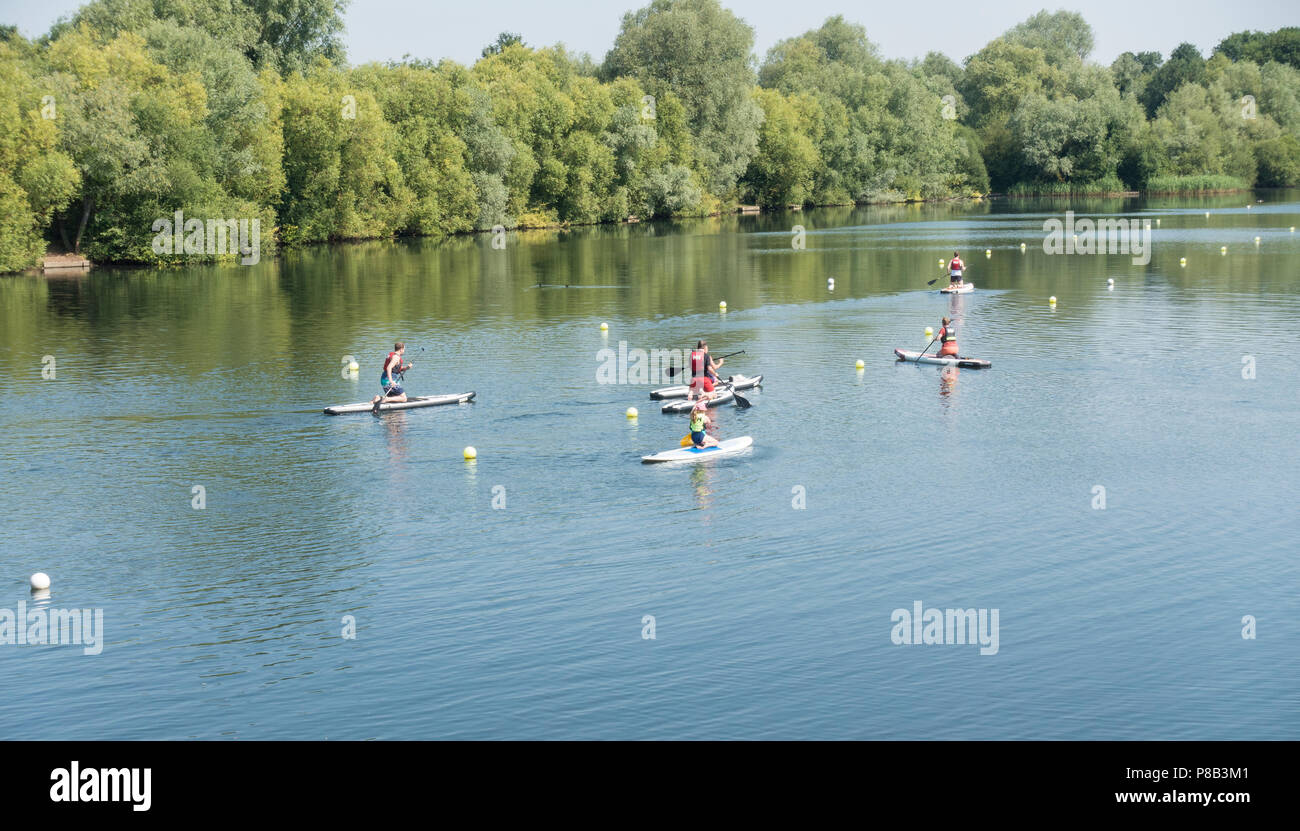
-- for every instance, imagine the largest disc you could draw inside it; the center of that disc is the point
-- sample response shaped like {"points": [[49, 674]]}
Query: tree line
{"points": [[133, 109]]}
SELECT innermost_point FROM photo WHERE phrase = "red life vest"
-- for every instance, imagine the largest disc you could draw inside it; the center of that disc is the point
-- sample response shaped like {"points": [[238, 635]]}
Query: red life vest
{"points": [[697, 363], [383, 373], [956, 264]]}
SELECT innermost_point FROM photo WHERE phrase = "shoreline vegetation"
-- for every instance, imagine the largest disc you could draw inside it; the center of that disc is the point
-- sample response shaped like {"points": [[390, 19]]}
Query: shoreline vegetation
{"points": [[246, 111]]}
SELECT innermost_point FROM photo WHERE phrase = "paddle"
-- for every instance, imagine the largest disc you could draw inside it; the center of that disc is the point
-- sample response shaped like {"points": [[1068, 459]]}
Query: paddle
{"points": [[741, 401], [927, 346], [672, 370]]}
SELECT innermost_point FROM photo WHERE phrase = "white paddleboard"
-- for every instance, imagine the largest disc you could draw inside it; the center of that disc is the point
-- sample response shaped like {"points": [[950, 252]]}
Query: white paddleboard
{"points": [[690, 454], [410, 404]]}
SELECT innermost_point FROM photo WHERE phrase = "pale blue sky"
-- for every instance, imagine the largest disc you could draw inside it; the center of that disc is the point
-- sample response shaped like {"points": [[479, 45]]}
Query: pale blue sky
{"points": [[387, 29]]}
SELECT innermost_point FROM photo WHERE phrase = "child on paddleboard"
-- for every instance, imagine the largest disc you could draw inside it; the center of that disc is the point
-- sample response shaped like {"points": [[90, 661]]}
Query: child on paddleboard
{"points": [[700, 420]]}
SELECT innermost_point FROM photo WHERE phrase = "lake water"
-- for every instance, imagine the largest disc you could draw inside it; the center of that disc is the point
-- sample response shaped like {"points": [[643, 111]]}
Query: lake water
{"points": [[505, 597]]}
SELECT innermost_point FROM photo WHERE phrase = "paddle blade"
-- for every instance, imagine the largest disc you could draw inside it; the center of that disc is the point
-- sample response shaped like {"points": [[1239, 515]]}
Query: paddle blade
{"points": [[932, 282], [741, 401]]}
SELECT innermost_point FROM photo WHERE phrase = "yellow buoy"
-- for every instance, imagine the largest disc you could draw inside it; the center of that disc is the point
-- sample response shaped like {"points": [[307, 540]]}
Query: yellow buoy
{"points": [[1183, 262], [1223, 249], [471, 453], [631, 412], [723, 305], [1052, 300], [1293, 229], [1257, 240], [988, 252], [1022, 246], [929, 331], [941, 263], [860, 364], [1207, 214], [604, 327]]}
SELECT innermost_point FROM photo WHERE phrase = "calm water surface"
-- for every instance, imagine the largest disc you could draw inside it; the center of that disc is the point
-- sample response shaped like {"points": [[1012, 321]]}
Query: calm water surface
{"points": [[969, 489]]}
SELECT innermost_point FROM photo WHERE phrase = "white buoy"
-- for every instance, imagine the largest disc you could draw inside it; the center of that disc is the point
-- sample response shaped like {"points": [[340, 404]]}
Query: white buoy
{"points": [[722, 306], [40, 581], [830, 284], [1223, 249], [1110, 281], [354, 367], [860, 364], [1157, 223], [1207, 214], [988, 252], [1182, 261], [631, 412], [1257, 240], [470, 453], [604, 327], [1022, 248]]}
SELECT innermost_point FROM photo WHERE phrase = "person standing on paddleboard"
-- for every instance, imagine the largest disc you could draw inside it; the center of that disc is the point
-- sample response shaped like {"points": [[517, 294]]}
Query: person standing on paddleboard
{"points": [[704, 371], [700, 420], [948, 337], [393, 367], [955, 270]]}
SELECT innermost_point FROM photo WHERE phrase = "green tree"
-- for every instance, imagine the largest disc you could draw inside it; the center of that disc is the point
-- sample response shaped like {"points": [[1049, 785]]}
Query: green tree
{"points": [[1282, 46], [35, 176], [283, 34], [781, 172], [504, 40], [1185, 65], [701, 53], [343, 182], [1061, 36]]}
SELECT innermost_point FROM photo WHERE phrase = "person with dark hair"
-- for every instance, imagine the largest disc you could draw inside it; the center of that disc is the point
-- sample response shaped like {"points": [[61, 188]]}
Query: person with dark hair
{"points": [[392, 372], [704, 370], [955, 269]]}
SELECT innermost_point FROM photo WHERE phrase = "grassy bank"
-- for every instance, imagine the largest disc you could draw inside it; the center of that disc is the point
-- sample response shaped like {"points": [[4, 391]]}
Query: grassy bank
{"points": [[1207, 183]]}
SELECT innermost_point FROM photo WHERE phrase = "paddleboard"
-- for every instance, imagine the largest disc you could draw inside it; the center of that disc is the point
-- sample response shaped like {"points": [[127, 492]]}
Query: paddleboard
{"points": [[964, 363], [691, 454], [740, 382], [410, 404]]}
